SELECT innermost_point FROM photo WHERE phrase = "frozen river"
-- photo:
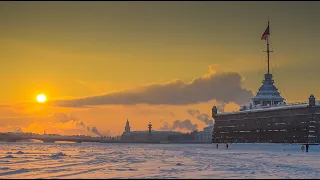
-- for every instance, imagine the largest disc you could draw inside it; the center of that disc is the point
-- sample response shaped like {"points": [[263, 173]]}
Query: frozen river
{"points": [[94, 160]]}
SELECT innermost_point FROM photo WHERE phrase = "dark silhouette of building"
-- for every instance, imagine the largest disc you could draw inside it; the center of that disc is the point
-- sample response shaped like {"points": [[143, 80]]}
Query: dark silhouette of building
{"points": [[269, 119]]}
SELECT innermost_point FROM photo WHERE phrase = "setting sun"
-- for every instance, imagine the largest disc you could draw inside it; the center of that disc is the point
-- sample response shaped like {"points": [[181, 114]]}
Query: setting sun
{"points": [[41, 98]]}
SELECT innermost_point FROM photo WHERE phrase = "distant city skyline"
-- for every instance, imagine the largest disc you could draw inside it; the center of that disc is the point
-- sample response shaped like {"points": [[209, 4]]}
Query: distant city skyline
{"points": [[99, 63]]}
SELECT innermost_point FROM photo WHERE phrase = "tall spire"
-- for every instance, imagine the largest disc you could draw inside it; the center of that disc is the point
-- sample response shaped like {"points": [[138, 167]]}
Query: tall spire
{"points": [[265, 36], [268, 51], [268, 93], [127, 127]]}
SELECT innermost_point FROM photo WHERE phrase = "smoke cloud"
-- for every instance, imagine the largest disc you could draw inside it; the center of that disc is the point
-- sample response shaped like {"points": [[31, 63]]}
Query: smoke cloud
{"points": [[165, 127], [178, 124], [63, 118], [19, 130], [202, 117], [186, 124]]}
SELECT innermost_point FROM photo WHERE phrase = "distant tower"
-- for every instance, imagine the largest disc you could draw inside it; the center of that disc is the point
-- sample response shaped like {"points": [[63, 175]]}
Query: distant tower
{"points": [[149, 127], [127, 128], [312, 100]]}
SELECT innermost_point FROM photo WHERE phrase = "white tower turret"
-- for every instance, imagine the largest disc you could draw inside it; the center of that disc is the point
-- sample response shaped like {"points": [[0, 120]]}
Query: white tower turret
{"points": [[127, 128]]}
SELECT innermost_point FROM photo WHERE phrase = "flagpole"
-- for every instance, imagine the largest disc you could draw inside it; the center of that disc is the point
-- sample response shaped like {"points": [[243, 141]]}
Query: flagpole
{"points": [[268, 46]]}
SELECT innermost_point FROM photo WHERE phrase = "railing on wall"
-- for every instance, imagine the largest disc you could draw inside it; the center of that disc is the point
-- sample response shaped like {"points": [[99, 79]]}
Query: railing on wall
{"points": [[243, 108]]}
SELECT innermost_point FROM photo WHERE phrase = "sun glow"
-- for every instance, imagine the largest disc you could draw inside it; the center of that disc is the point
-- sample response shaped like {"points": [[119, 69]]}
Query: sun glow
{"points": [[41, 98]]}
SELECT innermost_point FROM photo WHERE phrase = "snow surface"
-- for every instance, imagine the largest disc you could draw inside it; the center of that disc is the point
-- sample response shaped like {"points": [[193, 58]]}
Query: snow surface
{"points": [[95, 160]]}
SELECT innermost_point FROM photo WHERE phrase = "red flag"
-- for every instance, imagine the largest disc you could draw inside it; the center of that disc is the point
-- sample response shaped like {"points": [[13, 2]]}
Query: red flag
{"points": [[265, 34]]}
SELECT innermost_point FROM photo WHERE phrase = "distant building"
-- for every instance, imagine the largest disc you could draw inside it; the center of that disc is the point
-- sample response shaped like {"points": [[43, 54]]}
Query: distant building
{"points": [[183, 137], [205, 135], [268, 118], [168, 136], [128, 135], [144, 135]]}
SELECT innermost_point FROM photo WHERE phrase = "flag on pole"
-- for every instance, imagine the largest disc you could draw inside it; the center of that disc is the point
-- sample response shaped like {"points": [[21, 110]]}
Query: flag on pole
{"points": [[265, 34]]}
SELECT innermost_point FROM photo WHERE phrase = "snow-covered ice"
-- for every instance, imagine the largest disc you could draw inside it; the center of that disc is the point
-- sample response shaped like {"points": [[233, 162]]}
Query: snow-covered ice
{"points": [[95, 160]]}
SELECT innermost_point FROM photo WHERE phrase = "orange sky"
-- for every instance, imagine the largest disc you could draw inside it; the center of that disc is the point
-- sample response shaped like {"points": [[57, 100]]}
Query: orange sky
{"points": [[147, 61]]}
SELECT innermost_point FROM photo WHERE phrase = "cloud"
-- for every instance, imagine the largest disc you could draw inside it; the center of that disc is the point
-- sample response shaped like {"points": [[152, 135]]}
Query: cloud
{"points": [[193, 112], [17, 129], [178, 124], [221, 106], [61, 117], [222, 86], [186, 124], [95, 130], [206, 119], [165, 127], [64, 118], [202, 117], [230, 107]]}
